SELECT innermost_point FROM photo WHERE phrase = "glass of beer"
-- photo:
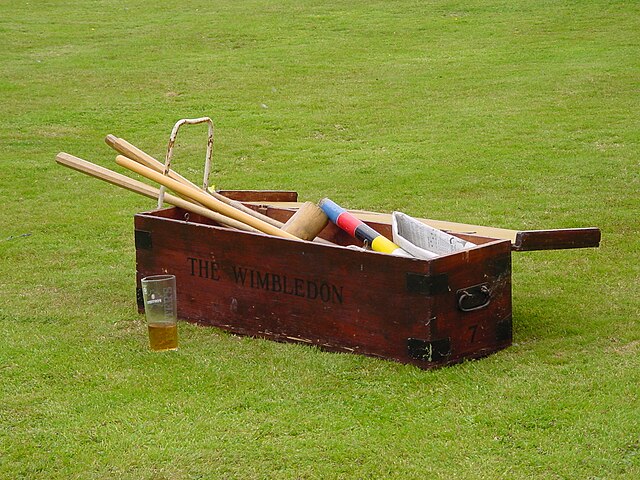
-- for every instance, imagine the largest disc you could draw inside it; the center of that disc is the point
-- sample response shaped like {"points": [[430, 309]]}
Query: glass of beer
{"points": [[159, 292]]}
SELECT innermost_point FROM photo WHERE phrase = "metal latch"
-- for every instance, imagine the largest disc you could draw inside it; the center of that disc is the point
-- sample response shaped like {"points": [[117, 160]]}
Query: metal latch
{"points": [[427, 284], [429, 351]]}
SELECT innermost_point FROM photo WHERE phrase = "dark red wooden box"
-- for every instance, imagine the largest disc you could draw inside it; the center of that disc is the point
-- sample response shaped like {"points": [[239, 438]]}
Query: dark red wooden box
{"points": [[427, 313]]}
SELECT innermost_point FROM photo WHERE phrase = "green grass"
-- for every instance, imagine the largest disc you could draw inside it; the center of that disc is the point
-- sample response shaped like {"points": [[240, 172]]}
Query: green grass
{"points": [[517, 114]]}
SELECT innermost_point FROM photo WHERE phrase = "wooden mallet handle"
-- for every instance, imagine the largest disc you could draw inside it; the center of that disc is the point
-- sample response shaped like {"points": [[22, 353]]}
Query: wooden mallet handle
{"points": [[129, 150], [203, 198], [136, 186]]}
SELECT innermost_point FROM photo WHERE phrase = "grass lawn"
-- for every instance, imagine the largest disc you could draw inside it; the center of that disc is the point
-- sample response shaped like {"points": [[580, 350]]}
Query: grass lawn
{"points": [[517, 114]]}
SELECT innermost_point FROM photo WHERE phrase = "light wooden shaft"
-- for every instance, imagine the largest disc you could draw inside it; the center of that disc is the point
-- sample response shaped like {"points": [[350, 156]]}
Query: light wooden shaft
{"points": [[131, 151], [307, 222], [203, 198], [136, 186]]}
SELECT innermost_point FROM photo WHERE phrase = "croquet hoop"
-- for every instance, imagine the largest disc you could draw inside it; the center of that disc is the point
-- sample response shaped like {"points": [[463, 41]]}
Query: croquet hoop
{"points": [[172, 141]]}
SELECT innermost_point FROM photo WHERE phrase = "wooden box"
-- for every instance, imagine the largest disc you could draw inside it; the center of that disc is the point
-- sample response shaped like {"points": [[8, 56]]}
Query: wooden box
{"points": [[426, 313]]}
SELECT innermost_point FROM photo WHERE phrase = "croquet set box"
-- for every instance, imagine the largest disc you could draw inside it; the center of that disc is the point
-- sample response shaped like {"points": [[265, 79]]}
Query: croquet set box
{"points": [[423, 312]]}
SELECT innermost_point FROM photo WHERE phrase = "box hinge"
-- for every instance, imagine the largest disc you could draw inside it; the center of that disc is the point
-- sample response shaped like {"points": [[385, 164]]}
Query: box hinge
{"points": [[427, 284], [429, 351], [139, 298], [504, 330], [500, 265], [143, 240]]}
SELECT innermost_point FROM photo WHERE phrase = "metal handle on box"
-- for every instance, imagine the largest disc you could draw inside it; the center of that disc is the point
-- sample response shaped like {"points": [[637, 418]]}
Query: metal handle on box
{"points": [[474, 298]]}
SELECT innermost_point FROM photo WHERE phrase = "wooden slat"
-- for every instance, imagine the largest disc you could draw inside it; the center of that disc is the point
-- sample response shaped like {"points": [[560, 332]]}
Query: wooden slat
{"points": [[557, 239], [260, 195], [338, 299]]}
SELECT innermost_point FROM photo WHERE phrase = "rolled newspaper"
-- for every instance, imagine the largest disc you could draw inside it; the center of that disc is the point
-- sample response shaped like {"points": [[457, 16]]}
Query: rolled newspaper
{"points": [[423, 241]]}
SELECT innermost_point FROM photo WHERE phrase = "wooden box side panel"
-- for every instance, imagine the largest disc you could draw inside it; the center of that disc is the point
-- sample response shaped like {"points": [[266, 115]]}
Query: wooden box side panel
{"points": [[287, 290], [369, 303]]}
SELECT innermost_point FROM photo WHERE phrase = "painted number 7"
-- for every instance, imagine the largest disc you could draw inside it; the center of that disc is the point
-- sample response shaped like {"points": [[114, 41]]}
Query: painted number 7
{"points": [[473, 329]]}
